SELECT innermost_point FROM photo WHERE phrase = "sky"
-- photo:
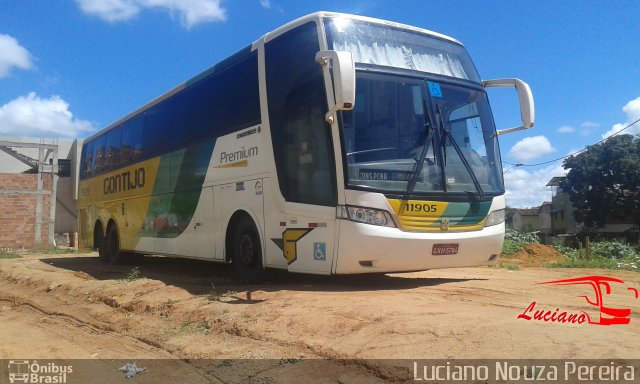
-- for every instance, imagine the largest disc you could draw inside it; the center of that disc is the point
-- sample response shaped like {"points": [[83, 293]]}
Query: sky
{"points": [[69, 68]]}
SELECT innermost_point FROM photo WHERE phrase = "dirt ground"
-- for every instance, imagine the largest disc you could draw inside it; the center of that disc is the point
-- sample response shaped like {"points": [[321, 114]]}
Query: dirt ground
{"points": [[181, 311]]}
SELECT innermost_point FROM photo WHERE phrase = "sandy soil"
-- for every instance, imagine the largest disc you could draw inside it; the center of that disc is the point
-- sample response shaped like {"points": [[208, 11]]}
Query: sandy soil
{"points": [[76, 307]]}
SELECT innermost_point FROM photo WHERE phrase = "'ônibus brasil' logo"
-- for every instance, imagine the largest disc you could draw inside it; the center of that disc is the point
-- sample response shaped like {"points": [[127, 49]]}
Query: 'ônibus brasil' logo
{"points": [[601, 286], [25, 371]]}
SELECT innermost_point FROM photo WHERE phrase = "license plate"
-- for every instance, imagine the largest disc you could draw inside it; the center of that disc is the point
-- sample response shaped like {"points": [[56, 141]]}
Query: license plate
{"points": [[444, 249]]}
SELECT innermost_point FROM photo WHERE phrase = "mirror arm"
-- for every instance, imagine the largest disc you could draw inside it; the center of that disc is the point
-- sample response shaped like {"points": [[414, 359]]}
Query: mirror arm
{"points": [[509, 130], [323, 58], [525, 98], [330, 115], [343, 80]]}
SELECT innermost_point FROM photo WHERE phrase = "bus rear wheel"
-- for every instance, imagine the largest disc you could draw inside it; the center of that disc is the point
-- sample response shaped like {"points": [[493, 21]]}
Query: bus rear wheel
{"points": [[99, 243], [116, 256], [246, 251]]}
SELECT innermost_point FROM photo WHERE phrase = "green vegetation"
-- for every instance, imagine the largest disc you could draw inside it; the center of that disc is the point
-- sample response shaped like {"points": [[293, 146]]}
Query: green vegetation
{"points": [[515, 241], [217, 295], [134, 274], [511, 267], [6, 254], [9, 255], [603, 181], [189, 328], [63, 251], [599, 262], [604, 254]]}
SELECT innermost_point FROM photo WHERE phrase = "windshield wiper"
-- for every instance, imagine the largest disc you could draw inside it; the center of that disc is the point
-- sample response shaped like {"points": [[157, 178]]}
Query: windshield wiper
{"points": [[447, 134], [417, 168]]}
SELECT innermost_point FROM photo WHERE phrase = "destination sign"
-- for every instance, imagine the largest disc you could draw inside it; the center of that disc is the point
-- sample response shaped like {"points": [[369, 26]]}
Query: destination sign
{"points": [[384, 175]]}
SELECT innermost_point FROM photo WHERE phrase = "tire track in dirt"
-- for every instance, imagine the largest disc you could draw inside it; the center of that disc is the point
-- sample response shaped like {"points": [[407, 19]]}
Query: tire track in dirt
{"points": [[35, 287], [88, 327], [179, 308]]}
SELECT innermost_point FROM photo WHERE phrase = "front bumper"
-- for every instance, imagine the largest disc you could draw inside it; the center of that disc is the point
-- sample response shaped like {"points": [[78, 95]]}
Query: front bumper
{"points": [[365, 248]]}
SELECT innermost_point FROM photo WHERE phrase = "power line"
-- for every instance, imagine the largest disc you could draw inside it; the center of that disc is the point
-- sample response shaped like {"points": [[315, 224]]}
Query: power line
{"points": [[574, 153]]}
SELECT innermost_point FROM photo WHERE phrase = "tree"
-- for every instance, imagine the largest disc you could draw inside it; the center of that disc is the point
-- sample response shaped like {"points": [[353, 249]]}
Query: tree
{"points": [[604, 181]]}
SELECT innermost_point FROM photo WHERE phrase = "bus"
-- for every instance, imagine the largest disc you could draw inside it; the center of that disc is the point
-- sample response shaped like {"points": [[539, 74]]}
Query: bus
{"points": [[336, 144]]}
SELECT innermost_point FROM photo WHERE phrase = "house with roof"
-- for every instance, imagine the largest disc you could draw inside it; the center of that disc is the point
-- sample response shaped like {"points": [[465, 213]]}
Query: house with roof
{"points": [[562, 214], [523, 219]]}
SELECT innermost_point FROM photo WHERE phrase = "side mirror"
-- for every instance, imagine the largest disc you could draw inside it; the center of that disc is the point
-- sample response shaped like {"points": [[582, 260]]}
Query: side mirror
{"points": [[343, 77], [527, 109]]}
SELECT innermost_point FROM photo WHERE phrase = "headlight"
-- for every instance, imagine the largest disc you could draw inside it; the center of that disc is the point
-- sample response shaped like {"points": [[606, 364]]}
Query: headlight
{"points": [[495, 218], [366, 215]]}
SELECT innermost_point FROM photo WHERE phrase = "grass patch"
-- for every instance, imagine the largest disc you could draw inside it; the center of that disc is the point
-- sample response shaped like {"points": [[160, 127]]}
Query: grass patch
{"points": [[9, 255], [512, 267], [596, 262], [219, 296], [216, 295], [134, 274], [604, 255], [63, 251], [170, 302], [510, 247], [189, 328], [515, 241]]}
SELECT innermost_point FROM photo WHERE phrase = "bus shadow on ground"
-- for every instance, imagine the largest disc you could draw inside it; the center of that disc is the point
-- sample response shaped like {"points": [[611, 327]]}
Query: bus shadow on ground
{"points": [[201, 277]]}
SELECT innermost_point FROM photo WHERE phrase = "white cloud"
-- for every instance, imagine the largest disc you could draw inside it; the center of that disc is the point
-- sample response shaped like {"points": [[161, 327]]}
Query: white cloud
{"points": [[12, 54], [531, 148], [266, 4], [190, 12], [33, 116], [110, 10], [588, 127], [528, 188], [566, 129], [632, 110]]}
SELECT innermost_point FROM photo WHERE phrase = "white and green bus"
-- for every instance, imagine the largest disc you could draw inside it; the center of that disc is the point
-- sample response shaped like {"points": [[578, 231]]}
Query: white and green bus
{"points": [[336, 144]]}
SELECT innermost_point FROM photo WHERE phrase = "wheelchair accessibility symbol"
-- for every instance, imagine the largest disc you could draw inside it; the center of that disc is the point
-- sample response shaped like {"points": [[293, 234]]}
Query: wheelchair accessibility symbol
{"points": [[320, 251]]}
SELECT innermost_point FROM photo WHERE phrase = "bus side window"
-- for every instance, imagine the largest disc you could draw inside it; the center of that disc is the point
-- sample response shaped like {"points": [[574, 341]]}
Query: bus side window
{"points": [[87, 156], [131, 148], [112, 160], [301, 139], [99, 152], [307, 145]]}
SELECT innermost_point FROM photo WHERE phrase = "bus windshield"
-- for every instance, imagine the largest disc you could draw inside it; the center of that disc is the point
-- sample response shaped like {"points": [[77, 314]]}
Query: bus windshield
{"points": [[399, 120], [386, 46]]}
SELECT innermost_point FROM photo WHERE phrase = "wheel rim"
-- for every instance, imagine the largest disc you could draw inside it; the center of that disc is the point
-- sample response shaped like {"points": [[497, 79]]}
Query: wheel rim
{"points": [[245, 249]]}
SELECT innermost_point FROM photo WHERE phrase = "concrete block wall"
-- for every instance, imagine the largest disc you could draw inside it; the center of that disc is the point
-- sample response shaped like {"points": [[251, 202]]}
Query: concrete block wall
{"points": [[18, 210]]}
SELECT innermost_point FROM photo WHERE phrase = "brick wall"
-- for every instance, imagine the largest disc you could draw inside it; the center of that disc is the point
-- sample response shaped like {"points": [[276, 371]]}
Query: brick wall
{"points": [[18, 210]]}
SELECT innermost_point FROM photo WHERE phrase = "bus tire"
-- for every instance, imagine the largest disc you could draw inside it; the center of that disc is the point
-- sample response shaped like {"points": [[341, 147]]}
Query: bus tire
{"points": [[116, 256], [99, 242], [246, 251]]}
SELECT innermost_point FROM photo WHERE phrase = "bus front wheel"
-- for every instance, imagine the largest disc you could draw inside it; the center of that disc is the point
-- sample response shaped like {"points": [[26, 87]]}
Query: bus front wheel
{"points": [[246, 251]]}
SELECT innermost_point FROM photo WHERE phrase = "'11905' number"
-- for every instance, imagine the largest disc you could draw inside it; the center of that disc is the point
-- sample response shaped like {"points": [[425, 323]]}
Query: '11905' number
{"points": [[418, 207]]}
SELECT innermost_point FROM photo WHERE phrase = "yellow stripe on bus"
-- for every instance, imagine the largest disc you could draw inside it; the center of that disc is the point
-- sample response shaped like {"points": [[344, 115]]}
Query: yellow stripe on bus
{"points": [[124, 196]]}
